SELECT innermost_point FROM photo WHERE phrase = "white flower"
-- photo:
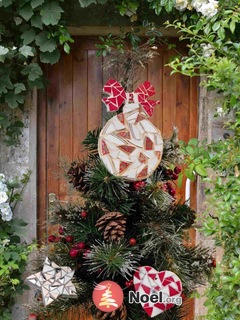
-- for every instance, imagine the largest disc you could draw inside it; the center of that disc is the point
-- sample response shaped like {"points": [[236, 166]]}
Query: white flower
{"points": [[197, 4], [6, 212], [3, 197], [3, 187], [181, 5], [209, 10], [207, 50], [2, 178]]}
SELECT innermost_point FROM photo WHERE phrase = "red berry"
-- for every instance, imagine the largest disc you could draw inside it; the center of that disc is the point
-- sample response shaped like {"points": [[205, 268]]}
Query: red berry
{"points": [[69, 239], [73, 253], [86, 253], [164, 187], [80, 245], [58, 239], [138, 185], [132, 241], [169, 185], [177, 169], [61, 230], [214, 263], [172, 192], [174, 176], [84, 214], [51, 238], [129, 284], [169, 172], [32, 316]]}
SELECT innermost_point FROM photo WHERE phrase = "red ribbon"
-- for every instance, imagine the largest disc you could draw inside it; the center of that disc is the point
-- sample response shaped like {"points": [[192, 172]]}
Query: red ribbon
{"points": [[118, 96]]}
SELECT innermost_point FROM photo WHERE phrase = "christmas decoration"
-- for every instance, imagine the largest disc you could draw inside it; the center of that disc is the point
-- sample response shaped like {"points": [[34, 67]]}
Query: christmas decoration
{"points": [[113, 226], [138, 185], [132, 242], [84, 214], [32, 316], [53, 281], [51, 238], [149, 281], [125, 219], [69, 239], [129, 145], [108, 296], [76, 175], [119, 314]]}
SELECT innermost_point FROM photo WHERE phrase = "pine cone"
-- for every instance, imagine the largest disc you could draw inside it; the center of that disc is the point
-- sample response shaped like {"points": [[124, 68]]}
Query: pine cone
{"points": [[119, 314], [76, 174], [113, 225]]}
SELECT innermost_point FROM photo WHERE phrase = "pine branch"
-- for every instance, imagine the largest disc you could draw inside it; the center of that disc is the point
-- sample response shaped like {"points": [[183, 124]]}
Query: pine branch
{"points": [[91, 141], [112, 259], [110, 189]]}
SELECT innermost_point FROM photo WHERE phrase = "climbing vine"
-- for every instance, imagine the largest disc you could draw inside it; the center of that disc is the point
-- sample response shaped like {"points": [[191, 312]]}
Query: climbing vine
{"points": [[32, 32]]}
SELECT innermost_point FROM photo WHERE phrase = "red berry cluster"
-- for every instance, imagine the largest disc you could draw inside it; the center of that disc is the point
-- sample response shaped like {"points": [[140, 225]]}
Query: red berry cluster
{"points": [[129, 284], [76, 248], [139, 185], [62, 237], [173, 174], [167, 187]]}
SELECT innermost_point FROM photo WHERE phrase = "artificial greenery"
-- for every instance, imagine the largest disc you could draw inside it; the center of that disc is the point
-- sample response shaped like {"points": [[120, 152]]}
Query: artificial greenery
{"points": [[152, 232], [13, 252]]}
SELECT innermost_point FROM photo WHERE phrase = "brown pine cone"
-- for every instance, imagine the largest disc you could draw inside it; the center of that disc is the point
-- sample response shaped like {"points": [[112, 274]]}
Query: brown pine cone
{"points": [[113, 226], [119, 314], [76, 175]]}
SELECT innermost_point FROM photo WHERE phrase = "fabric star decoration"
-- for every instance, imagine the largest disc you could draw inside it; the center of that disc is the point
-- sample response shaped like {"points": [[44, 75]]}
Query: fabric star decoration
{"points": [[53, 281]]}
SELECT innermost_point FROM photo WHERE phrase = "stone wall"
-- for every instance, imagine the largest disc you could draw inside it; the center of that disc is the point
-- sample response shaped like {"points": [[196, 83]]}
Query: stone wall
{"points": [[15, 161]]}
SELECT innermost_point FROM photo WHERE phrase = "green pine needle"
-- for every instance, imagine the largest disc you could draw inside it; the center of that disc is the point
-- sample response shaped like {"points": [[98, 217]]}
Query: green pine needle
{"points": [[113, 259]]}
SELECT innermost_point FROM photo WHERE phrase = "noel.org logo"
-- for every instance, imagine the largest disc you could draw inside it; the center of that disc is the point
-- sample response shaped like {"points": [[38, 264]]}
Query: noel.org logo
{"points": [[136, 297]]}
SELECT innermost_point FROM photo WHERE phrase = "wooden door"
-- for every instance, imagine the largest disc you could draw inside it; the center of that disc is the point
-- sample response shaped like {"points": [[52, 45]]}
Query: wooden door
{"points": [[71, 106]]}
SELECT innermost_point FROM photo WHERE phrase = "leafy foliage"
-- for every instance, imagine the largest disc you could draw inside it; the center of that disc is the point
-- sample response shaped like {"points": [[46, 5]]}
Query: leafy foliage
{"points": [[13, 252], [26, 29]]}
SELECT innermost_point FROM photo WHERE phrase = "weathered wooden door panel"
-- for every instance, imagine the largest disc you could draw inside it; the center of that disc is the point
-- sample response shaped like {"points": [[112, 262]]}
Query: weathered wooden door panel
{"points": [[71, 106]]}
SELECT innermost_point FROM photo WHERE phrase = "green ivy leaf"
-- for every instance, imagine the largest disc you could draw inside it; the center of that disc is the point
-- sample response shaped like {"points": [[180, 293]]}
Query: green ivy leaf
{"points": [[28, 36], [19, 87], [36, 22], [3, 52], [50, 57], [199, 168], [33, 71], [86, 3], [5, 3], [45, 44], [26, 12], [51, 13], [36, 3], [5, 84], [13, 100], [26, 51]]}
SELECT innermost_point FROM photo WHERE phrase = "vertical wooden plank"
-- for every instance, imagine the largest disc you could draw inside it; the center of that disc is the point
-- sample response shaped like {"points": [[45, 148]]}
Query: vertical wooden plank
{"points": [[80, 103], [41, 161], [155, 76], [182, 106], [169, 96], [65, 117], [95, 85]]}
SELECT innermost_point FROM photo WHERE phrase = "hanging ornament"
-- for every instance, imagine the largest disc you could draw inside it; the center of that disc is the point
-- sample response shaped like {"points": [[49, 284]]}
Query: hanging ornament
{"points": [[107, 296], [148, 281], [129, 144], [53, 281]]}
